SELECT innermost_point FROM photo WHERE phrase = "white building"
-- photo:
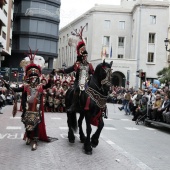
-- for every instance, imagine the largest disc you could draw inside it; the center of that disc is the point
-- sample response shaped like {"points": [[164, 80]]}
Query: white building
{"points": [[131, 35], [6, 23]]}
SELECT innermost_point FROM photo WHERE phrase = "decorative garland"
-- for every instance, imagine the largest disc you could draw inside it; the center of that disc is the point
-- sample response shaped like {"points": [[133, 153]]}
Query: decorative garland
{"points": [[97, 97]]}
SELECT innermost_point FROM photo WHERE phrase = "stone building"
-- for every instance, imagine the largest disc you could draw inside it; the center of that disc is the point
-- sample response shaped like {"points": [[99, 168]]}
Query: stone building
{"points": [[131, 35]]}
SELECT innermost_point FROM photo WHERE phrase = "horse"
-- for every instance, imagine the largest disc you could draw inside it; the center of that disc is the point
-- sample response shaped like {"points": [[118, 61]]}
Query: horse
{"points": [[92, 104]]}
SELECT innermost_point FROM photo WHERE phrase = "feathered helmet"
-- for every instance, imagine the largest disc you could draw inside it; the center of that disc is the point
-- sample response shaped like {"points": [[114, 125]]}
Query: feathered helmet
{"points": [[71, 81], [32, 65], [57, 81], [65, 83], [77, 40], [43, 79]]}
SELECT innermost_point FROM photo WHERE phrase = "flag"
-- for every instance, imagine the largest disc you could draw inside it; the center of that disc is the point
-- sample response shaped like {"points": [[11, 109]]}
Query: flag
{"points": [[101, 53], [111, 52], [105, 53]]}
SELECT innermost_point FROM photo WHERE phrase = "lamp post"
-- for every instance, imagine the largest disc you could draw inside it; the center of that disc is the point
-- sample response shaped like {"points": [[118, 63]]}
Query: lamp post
{"points": [[166, 44], [1, 47]]}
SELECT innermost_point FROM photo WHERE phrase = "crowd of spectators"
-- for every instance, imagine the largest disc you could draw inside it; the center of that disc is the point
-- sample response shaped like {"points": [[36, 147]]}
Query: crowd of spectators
{"points": [[6, 96], [143, 102]]}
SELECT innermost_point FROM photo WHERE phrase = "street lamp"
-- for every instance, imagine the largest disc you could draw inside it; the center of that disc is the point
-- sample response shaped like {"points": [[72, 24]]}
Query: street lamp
{"points": [[166, 44]]}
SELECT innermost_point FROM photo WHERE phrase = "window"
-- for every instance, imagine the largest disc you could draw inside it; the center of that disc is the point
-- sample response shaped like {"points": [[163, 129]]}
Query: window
{"points": [[106, 40], [85, 41], [151, 38], [122, 25], [121, 41], [86, 27], [10, 43], [152, 19], [150, 57], [11, 24], [107, 24], [12, 5], [5, 12], [63, 39], [120, 56], [4, 35], [66, 52]]}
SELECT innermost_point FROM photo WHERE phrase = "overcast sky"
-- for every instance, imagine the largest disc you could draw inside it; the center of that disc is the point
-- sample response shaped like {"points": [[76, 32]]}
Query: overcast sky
{"points": [[71, 9]]}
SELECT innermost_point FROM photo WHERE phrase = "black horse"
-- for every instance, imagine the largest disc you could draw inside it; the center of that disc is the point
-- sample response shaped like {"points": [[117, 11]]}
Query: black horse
{"points": [[92, 104]]}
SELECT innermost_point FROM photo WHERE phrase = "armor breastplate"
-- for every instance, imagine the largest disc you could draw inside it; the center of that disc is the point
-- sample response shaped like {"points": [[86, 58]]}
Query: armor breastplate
{"points": [[83, 77], [32, 95]]}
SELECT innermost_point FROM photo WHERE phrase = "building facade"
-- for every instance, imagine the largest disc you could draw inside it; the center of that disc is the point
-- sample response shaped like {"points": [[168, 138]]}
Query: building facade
{"points": [[36, 26], [131, 35], [6, 23]]}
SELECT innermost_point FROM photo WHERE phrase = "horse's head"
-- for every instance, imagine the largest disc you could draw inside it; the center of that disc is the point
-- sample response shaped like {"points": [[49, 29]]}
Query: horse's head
{"points": [[103, 72]]}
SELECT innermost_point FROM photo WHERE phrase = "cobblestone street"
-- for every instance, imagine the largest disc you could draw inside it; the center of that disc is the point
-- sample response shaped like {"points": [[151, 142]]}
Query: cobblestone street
{"points": [[57, 155]]}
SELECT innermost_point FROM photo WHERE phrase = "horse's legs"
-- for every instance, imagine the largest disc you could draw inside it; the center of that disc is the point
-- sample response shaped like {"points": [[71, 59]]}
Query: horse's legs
{"points": [[87, 144], [81, 133], [71, 136], [96, 135]]}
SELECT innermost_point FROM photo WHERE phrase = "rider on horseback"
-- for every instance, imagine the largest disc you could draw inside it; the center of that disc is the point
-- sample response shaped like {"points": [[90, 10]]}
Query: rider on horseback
{"points": [[83, 70]]}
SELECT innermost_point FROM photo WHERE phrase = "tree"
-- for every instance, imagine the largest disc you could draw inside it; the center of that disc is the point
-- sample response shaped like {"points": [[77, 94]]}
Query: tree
{"points": [[164, 75]]}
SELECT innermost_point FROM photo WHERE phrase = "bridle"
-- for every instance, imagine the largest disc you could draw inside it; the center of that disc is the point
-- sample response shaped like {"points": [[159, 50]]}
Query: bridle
{"points": [[107, 79]]}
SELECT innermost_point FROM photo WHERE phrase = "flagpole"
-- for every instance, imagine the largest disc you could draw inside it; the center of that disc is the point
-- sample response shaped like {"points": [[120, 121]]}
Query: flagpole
{"points": [[111, 51]]}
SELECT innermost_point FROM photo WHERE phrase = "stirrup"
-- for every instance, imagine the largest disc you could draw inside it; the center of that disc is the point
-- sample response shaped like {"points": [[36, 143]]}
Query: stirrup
{"points": [[28, 141], [34, 146]]}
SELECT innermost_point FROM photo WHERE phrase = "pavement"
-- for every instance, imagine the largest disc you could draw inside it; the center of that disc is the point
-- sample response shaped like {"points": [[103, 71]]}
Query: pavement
{"points": [[57, 155]]}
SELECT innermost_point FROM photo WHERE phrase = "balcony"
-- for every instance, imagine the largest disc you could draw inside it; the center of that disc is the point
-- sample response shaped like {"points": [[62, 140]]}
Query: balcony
{"points": [[3, 18]]}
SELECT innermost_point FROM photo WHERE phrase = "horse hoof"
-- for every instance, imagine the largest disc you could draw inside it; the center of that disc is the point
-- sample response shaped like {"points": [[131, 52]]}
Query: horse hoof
{"points": [[71, 141], [88, 152], [93, 145], [83, 139]]}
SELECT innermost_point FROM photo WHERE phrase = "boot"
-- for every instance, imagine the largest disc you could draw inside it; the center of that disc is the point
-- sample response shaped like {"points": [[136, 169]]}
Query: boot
{"points": [[28, 141], [34, 144], [75, 101]]}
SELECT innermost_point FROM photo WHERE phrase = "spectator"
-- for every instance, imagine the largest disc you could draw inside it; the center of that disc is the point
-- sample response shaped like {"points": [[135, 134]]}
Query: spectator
{"points": [[127, 98], [1, 102], [141, 109], [165, 105], [133, 99], [152, 111]]}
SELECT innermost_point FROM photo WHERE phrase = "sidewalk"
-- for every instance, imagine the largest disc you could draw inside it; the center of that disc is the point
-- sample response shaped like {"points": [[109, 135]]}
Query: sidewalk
{"points": [[58, 155]]}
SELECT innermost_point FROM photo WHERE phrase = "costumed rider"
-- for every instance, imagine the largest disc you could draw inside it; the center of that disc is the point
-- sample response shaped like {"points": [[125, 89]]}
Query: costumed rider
{"points": [[32, 94], [82, 67]]}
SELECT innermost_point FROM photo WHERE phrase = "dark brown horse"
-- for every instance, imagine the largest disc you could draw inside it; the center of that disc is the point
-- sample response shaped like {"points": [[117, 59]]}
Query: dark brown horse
{"points": [[92, 104]]}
